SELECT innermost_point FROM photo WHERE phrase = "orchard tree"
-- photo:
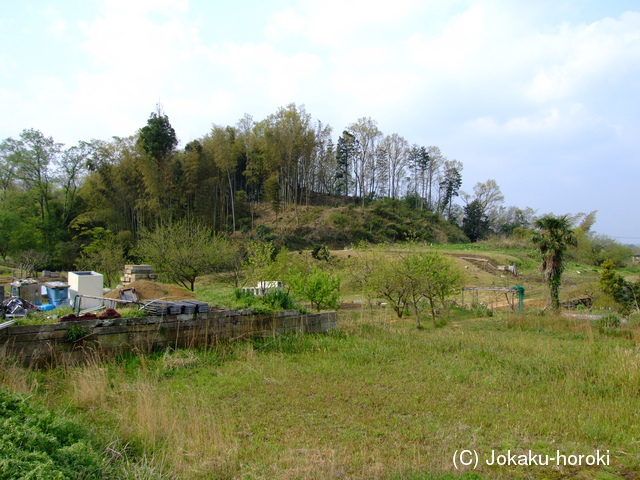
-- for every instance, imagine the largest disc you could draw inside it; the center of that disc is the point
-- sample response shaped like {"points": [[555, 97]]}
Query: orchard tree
{"points": [[105, 255], [553, 237], [320, 288], [383, 279], [416, 281], [185, 250], [431, 278]]}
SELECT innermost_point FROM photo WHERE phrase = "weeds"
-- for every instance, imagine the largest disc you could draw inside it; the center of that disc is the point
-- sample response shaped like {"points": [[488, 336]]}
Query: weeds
{"points": [[75, 333]]}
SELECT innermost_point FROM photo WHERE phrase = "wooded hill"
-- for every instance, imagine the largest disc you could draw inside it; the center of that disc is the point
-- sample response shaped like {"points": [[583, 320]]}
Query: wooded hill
{"points": [[282, 179]]}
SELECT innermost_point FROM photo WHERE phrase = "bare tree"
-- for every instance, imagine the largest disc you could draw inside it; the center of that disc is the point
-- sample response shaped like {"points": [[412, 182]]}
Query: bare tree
{"points": [[396, 148], [368, 135]]}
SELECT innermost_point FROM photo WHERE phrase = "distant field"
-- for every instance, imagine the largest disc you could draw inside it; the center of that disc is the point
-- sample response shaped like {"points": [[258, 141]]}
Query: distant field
{"points": [[374, 399]]}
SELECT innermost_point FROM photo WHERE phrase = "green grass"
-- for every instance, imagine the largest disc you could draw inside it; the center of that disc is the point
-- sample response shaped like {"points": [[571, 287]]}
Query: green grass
{"points": [[228, 297], [43, 318], [375, 399]]}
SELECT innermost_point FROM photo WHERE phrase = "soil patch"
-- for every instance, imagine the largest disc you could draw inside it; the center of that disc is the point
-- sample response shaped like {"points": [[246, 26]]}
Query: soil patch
{"points": [[152, 290]]}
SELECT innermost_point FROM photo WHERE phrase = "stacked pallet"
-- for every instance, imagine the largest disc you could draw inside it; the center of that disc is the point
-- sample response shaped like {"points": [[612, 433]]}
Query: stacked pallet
{"points": [[133, 273], [201, 307], [160, 307]]}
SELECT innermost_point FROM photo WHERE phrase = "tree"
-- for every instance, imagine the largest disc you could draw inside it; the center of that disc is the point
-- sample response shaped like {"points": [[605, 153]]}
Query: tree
{"points": [[319, 287], [415, 281], [396, 148], [490, 198], [450, 185], [9, 224], [30, 261], [288, 141], [105, 254], [220, 145], [30, 160], [272, 190], [157, 140], [345, 156], [475, 223], [436, 160], [432, 277], [7, 166], [626, 293], [325, 163], [419, 162], [553, 237], [72, 166], [367, 134], [508, 219], [259, 264], [185, 250]]}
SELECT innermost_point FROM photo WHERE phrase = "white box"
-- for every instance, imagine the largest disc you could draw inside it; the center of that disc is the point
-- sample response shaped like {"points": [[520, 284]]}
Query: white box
{"points": [[85, 283]]}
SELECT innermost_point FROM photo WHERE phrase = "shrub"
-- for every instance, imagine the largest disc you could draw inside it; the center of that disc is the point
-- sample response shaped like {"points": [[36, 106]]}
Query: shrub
{"points": [[609, 321], [244, 298], [321, 252], [320, 288], [75, 333], [35, 443], [279, 299], [339, 219]]}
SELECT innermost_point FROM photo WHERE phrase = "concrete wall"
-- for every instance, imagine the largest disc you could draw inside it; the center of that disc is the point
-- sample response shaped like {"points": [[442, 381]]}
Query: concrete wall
{"points": [[47, 345]]}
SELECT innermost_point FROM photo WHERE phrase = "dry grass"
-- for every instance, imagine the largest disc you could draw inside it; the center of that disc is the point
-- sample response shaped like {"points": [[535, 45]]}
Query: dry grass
{"points": [[16, 378], [90, 386], [186, 433]]}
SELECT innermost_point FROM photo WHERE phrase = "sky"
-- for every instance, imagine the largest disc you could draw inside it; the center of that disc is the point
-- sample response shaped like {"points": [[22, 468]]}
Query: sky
{"points": [[541, 97]]}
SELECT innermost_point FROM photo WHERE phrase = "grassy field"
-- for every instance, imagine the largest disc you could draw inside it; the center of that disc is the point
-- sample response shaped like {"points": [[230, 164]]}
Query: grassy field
{"points": [[374, 399]]}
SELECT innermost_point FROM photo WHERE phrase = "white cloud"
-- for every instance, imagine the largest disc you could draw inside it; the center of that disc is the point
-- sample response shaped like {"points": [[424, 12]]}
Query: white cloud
{"points": [[333, 22], [553, 122], [579, 59], [455, 47], [262, 66], [57, 24], [6, 63], [283, 24]]}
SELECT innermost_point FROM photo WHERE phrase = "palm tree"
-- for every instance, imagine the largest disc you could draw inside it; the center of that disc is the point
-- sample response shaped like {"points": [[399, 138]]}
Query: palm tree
{"points": [[553, 237]]}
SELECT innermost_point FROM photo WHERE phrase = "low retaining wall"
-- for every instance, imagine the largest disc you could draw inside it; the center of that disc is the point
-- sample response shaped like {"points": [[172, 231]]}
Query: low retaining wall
{"points": [[73, 342]]}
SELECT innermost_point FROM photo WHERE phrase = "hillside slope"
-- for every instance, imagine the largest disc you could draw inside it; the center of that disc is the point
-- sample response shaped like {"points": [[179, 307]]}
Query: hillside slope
{"points": [[339, 226]]}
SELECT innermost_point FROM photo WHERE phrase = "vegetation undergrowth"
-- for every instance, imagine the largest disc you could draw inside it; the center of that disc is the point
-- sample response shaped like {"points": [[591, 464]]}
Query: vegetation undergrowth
{"points": [[38, 444]]}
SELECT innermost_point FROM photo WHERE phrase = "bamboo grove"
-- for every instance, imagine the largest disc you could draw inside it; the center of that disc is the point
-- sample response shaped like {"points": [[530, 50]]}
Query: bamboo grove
{"points": [[58, 199]]}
